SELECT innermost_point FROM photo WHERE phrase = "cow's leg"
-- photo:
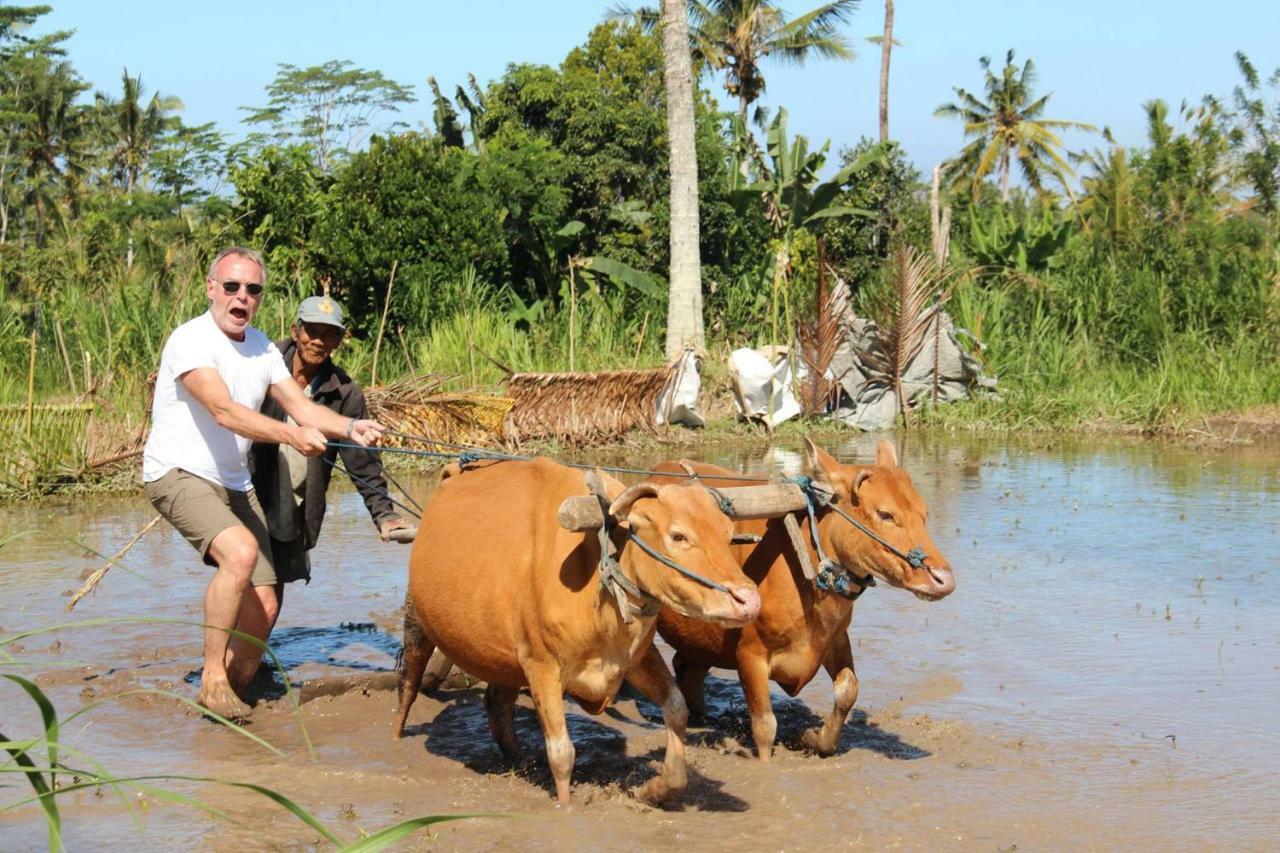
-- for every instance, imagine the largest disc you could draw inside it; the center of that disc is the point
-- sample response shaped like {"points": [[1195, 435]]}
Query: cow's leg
{"points": [[500, 708], [651, 677], [548, 698], [437, 670], [691, 680], [415, 653], [839, 665], [753, 672]]}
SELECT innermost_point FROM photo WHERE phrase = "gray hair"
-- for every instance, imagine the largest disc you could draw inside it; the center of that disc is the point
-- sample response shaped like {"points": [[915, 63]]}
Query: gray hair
{"points": [[240, 252]]}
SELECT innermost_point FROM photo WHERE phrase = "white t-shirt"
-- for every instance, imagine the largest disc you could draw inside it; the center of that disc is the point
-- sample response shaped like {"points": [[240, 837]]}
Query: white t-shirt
{"points": [[184, 433]]}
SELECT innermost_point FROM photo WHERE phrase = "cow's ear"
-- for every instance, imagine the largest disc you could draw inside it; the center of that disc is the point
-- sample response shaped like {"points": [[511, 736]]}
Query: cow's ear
{"points": [[824, 469], [858, 479], [621, 506], [886, 456]]}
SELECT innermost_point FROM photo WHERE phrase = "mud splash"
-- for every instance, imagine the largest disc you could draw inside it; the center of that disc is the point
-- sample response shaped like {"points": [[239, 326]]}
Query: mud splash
{"points": [[1104, 676]]}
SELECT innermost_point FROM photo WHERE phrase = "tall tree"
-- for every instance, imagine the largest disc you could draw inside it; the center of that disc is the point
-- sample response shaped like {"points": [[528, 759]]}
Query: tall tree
{"points": [[187, 161], [684, 296], [25, 63], [1257, 135], [1007, 126], [331, 107], [53, 127], [886, 45], [137, 130], [735, 36]]}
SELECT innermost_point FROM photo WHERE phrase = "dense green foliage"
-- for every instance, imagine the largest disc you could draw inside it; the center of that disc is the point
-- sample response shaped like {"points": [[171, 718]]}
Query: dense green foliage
{"points": [[533, 213]]}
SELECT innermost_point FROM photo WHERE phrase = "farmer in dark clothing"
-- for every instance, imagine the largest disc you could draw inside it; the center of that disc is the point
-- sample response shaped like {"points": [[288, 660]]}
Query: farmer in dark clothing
{"points": [[292, 487]]}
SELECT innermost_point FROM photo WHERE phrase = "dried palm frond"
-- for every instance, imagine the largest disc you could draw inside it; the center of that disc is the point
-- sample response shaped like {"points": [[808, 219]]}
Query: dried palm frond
{"points": [[415, 406], [579, 407], [904, 315], [819, 339]]}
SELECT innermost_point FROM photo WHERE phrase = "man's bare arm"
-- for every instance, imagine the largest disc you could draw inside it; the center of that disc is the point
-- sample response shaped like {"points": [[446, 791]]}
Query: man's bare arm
{"points": [[327, 421], [206, 385]]}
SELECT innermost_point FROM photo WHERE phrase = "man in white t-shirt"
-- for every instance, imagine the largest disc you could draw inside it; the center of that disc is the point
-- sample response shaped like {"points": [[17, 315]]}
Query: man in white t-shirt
{"points": [[214, 373]]}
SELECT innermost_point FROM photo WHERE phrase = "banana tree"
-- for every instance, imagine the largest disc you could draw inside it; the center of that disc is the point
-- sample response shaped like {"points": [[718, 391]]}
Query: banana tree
{"points": [[793, 193]]}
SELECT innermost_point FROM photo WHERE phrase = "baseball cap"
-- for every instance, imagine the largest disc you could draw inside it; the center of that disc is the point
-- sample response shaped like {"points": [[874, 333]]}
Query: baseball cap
{"points": [[321, 309]]}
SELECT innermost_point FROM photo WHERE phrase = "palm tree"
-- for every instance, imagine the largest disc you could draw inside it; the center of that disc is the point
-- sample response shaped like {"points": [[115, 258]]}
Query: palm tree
{"points": [[49, 145], [734, 36], [886, 46], [1008, 126], [138, 131], [684, 296]]}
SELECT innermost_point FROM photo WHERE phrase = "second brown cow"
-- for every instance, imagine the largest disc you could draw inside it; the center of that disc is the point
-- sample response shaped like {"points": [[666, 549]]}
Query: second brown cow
{"points": [[802, 628]]}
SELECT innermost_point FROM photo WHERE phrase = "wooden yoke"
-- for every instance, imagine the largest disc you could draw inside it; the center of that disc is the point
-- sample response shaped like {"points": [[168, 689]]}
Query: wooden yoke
{"points": [[582, 512]]}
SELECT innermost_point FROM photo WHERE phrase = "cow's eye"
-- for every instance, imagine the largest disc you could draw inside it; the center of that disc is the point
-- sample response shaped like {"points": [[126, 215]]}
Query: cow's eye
{"points": [[885, 516], [677, 536]]}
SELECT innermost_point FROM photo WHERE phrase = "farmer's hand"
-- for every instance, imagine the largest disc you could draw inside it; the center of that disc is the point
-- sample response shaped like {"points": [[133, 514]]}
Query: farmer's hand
{"points": [[365, 433], [392, 523]]}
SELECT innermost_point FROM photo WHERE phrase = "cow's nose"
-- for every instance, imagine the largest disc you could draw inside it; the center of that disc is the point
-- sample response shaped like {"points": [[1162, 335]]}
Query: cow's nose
{"points": [[942, 581], [747, 601]]}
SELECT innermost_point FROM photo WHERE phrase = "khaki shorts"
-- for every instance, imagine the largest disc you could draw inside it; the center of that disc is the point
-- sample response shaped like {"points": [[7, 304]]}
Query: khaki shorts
{"points": [[200, 510]]}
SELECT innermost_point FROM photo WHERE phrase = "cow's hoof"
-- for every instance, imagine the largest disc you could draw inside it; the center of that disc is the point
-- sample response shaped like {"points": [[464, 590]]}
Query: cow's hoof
{"points": [[657, 791], [812, 741]]}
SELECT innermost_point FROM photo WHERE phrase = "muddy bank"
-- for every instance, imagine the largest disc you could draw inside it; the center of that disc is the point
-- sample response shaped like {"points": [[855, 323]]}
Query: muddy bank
{"points": [[1102, 678]]}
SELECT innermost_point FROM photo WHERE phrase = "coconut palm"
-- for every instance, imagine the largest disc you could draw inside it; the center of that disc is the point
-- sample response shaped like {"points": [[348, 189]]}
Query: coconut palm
{"points": [[684, 300], [1008, 126], [886, 46], [734, 36], [138, 130]]}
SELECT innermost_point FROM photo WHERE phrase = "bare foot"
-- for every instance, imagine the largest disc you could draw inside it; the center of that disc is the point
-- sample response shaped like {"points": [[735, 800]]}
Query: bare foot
{"points": [[218, 697]]}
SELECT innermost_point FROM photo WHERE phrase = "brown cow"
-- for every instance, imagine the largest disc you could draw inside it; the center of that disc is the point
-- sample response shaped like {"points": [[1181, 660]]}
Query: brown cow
{"points": [[801, 627], [515, 600]]}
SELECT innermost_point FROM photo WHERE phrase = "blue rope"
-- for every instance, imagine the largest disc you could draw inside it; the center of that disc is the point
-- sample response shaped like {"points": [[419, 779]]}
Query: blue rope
{"points": [[459, 449], [672, 564], [340, 466], [915, 557]]}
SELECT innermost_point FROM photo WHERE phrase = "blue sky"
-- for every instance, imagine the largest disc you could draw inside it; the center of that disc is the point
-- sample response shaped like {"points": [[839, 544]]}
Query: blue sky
{"points": [[1101, 60]]}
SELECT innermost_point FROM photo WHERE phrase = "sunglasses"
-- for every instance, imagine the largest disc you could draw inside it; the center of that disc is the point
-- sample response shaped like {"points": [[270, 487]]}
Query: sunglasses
{"points": [[231, 287]]}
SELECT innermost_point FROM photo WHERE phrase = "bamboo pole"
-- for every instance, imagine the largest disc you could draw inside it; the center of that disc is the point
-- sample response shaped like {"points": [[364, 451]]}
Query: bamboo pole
{"points": [[382, 324], [97, 576], [31, 384], [66, 359]]}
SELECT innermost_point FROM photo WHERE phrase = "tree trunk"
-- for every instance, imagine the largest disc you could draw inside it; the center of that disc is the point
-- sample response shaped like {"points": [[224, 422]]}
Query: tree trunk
{"points": [[684, 294], [1004, 177], [886, 45]]}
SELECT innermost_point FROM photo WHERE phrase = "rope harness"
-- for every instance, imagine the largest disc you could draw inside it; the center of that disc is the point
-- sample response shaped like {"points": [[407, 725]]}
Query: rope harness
{"points": [[612, 578], [831, 577]]}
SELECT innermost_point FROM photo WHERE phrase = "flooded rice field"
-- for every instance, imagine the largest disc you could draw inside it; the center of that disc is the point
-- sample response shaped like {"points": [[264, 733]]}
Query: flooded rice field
{"points": [[1106, 675]]}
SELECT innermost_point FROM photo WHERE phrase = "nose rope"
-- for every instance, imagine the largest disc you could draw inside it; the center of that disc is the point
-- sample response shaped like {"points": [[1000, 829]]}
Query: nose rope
{"points": [[612, 578], [832, 577], [672, 564], [915, 557]]}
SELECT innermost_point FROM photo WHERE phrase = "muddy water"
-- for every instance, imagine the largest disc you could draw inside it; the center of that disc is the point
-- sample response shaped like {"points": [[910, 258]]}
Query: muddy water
{"points": [[1107, 675]]}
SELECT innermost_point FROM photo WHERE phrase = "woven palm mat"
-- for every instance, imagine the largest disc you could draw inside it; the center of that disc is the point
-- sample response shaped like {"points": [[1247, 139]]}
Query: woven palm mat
{"points": [[415, 405], [581, 407]]}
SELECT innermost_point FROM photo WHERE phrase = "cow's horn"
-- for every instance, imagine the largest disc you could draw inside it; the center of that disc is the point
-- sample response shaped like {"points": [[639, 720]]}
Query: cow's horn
{"points": [[621, 505]]}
